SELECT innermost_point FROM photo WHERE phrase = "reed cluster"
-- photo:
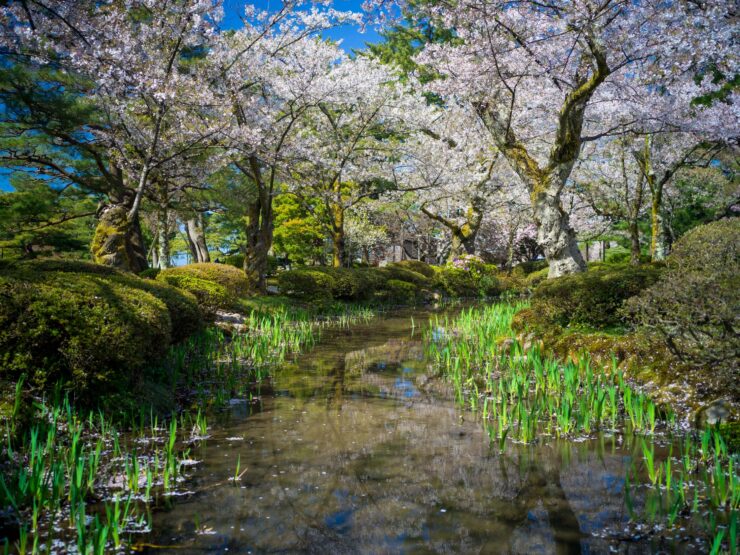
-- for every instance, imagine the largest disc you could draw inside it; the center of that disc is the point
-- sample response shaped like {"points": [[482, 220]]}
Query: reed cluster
{"points": [[525, 396]]}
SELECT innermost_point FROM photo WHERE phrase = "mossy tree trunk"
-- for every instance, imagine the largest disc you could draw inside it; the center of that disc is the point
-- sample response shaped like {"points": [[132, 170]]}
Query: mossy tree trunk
{"points": [[260, 222], [118, 241], [463, 234], [338, 237], [545, 183]]}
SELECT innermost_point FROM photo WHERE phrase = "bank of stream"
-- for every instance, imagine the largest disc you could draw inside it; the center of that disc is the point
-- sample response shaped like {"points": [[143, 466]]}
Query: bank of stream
{"points": [[361, 446], [418, 430]]}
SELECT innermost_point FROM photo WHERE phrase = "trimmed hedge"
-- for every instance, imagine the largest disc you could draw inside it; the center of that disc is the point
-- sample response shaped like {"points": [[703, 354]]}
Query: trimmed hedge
{"points": [[397, 290], [455, 282], [210, 295], [82, 330], [591, 298], [359, 284], [185, 315], [416, 266]]}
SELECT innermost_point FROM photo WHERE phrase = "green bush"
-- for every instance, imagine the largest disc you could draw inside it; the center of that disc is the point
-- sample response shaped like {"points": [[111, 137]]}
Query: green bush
{"points": [[695, 306], [455, 282], [235, 260], [394, 271], [185, 312], [489, 285], [617, 255], [416, 266], [232, 279], [306, 284], [396, 290], [346, 284], [591, 298], [150, 273], [92, 333], [183, 309], [211, 296], [526, 268], [535, 278]]}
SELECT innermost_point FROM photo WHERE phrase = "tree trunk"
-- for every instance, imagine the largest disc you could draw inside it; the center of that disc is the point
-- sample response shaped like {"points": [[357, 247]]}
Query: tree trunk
{"points": [[259, 242], [556, 236], [658, 244], [195, 230], [338, 237], [456, 246], [164, 254], [118, 241], [634, 230]]}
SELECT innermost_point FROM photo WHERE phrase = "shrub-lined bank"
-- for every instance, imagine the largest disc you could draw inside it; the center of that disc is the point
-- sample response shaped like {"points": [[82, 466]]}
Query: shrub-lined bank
{"points": [[399, 283], [675, 326], [87, 326]]}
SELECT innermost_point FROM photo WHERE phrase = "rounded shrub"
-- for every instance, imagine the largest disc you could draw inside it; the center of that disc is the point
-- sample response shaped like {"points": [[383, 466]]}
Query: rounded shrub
{"points": [[400, 291], [455, 282], [593, 298], [91, 333], [185, 315], [393, 271], [526, 268], [489, 285], [211, 296], [232, 279], [306, 284], [535, 278], [150, 273], [235, 260], [416, 266], [346, 284], [695, 305]]}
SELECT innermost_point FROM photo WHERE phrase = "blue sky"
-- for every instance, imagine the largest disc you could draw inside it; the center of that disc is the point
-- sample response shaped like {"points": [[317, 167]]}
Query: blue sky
{"points": [[350, 35]]}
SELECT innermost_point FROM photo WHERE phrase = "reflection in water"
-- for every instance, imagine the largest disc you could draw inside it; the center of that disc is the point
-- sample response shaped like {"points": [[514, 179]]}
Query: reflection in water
{"points": [[358, 449]]}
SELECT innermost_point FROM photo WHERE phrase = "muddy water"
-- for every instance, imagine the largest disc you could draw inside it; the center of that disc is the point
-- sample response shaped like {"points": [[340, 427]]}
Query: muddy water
{"points": [[359, 448]]}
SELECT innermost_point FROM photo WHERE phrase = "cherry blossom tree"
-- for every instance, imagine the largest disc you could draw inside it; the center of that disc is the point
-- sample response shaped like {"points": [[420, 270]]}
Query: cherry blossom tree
{"points": [[274, 69], [149, 80], [537, 73], [348, 142]]}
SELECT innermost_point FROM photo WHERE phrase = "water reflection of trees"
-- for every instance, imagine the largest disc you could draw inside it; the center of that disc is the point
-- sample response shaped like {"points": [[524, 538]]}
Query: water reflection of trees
{"points": [[339, 468]]}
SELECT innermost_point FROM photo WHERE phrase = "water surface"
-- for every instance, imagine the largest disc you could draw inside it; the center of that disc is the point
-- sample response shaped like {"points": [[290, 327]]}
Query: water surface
{"points": [[359, 448]]}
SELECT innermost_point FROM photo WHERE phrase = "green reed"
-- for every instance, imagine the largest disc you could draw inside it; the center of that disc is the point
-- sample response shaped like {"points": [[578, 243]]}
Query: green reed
{"points": [[529, 396]]}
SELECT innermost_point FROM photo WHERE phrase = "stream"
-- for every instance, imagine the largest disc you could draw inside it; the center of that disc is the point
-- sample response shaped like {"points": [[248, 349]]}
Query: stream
{"points": [[357, 447]]}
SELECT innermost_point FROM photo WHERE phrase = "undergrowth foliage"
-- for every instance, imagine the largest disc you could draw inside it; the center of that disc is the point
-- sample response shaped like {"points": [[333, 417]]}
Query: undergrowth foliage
{"points": [[525, 396], [84, 480]]}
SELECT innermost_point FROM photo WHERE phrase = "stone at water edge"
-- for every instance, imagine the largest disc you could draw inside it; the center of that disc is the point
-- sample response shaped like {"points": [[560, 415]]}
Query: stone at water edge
{"points": [[718, 411]]}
